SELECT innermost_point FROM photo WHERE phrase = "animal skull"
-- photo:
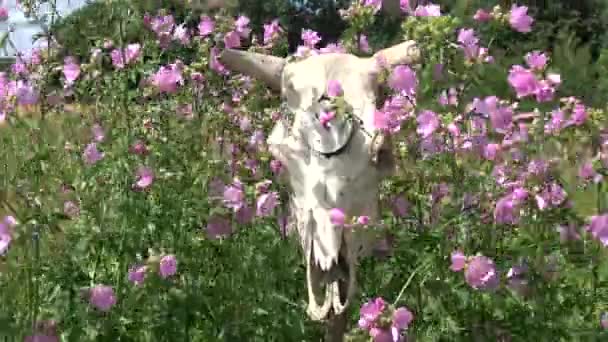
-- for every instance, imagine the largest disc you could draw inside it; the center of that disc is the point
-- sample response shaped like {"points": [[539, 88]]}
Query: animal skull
{"points": [[339, 166]]}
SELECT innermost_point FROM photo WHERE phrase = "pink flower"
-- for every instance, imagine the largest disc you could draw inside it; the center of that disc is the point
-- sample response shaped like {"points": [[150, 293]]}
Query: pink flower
{"points": [[326, 117], [402, 317], [587, 172], [370, 312], [501, 119], [469, 43], [506, 210], [168, 266], [337, 216], [552, 195], [482, 15], [242, 26], [405, 6], [3, 14], [490, 151], [544, 91], [206, 26], [364, 44], [71, 70], [91, 154], [430, 10], [523, 81], [375, 4], [19, 67], [381, 120], [536, 60], [244, 215], [520, 20], [139, 147], [263, 186], [266, 204], [118, 60], [334, 88], [599, 228], [276, 166], [214, 62], [459, 261], [428, 123], [403, 79], [310, 38], [232, 40], [181, 34], [579, 115], [132, 52], [218, 227], [145, 178], [467, 37], [234, 196], [137, 274], [25, 92], [102, 297], [6, 236], [481, 273], [167, 78], [272, 31], [71, 209], [363, 220]]}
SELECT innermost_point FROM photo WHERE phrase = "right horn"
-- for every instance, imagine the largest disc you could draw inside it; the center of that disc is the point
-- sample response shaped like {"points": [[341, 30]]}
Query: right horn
{"points": [[407, 52], [265, 68]]}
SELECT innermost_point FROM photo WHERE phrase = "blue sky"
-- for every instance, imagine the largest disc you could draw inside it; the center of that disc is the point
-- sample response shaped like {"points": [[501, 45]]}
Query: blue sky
{"points": [[22, 37]]}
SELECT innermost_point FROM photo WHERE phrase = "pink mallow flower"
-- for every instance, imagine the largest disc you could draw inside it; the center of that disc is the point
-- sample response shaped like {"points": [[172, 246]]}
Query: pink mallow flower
{"points": [[6, 235], [71, 70], [168, 78], [599, 228], [102, 297], [459, 261], [519, 19], [137, 274], [167, 266], [481, 273], [334, 88], [91, 154], [337, 216], [3, 14], [271, 31], [145, 178], [266, 203], [206, 26]]}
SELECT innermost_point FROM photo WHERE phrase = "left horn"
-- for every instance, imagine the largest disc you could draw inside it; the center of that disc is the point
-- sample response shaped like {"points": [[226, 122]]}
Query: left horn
{"points": [[265, 68]]}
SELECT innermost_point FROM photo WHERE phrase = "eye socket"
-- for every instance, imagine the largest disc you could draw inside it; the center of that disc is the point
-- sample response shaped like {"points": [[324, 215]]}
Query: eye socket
{"points": [[323, 97]]}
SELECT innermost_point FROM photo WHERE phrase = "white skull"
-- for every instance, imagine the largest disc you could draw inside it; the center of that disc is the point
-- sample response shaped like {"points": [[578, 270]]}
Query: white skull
{"points": [[339, 166]]}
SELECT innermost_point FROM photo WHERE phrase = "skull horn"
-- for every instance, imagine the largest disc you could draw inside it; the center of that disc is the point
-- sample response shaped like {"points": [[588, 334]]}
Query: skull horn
{"points": [[265, 68], [407, 52]]}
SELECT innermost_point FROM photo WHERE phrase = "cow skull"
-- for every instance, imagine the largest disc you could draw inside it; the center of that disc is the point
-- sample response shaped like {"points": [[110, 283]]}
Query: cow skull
{"points": [[339, 166]]}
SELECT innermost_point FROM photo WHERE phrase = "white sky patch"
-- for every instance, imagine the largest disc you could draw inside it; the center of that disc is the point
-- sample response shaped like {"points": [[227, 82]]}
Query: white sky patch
{"points": [[24, 28]]}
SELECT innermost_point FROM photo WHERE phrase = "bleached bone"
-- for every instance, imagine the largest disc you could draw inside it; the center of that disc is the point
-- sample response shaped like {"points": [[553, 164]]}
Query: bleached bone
{"points": [[336, 167]]}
